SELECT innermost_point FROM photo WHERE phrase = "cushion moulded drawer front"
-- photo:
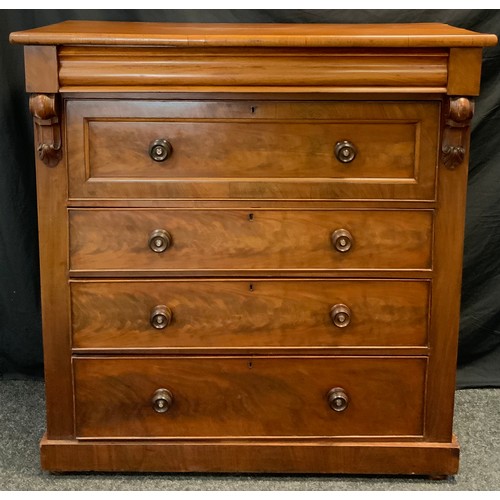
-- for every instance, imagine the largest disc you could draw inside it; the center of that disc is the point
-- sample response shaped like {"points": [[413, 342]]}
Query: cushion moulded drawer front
{"points": [[259, 313], [247, 149], [254, 396], [227, 240]]}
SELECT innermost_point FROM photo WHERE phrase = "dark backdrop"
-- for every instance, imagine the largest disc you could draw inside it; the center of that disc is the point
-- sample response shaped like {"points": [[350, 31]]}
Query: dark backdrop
{"points": [[20, 330]]}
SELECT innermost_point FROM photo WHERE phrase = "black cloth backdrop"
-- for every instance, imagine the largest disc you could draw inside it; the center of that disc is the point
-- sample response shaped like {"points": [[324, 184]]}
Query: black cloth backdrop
{"points": [[20, 328]]}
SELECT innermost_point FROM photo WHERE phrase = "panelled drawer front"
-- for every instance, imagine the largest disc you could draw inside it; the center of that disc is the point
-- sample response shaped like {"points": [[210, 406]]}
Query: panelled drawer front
{"points": [[246, 149], [229, 240], [241, 397], [257, 314]]}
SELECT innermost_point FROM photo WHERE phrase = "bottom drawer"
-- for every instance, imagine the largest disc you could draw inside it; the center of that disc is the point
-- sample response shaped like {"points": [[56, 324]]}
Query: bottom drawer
{"points": [[162, 397]]}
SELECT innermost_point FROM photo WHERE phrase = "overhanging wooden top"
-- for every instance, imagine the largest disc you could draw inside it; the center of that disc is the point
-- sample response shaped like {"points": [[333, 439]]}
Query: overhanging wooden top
{"points": [[252, 35]]}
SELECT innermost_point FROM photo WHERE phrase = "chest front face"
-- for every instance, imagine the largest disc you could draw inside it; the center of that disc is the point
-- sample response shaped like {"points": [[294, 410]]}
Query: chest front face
{"points": [[251, 244]]}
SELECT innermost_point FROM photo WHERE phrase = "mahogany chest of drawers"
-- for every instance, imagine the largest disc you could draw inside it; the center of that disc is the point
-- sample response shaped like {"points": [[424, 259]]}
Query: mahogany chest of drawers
{"points": [[251, 243]]}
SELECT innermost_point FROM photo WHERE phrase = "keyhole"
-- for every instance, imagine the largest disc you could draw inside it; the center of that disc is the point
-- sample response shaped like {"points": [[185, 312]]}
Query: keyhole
{"points": [[252, 109], [250, 287], [250, 217]]}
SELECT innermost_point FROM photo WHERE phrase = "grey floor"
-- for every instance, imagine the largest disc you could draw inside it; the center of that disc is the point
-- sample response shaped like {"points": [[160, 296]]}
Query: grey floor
{"points": [[477, 425]]}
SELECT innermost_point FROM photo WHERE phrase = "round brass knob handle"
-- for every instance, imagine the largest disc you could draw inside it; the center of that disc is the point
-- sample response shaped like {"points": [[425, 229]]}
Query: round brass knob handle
{"points": [[160, 317], [345, 151], [342, 240], [159, 240], [162, 400], [337, 399], [160, 150], [341, 315]]}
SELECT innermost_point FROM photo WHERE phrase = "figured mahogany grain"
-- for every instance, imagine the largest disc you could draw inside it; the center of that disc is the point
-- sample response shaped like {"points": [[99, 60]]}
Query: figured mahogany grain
{"points": [[249, 148], [252, 196], [257, 149], [243, 397], [236, 240], [258, 313]]}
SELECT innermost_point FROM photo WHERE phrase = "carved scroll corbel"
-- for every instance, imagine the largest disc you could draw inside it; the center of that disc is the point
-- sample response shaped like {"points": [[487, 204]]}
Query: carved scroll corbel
{"points": [[458, 115], [43, 107]]}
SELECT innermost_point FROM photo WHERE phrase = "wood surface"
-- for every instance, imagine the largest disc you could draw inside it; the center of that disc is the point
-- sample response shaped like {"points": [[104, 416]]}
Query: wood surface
{"points": [[464, 70], [41, 69], [53, 252], [258, 240], [176, 56], [252, 149], [312, 456], [446, 291], [258, 314], [256, 68], [48, 144], [251, 194], [253, 35], [249, 148], [244, 397]]}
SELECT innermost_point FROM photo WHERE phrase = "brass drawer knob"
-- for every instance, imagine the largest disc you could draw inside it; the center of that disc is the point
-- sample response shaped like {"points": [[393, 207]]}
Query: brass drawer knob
{"points": [[341, 315], [160, 150], [345, 151], [337, 399], [162, 400], [342, 240], [160, 317], [159, 240]]}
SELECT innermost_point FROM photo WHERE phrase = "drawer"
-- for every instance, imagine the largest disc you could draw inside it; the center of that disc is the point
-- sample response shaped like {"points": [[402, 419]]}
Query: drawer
{"points": [[133, 241], [242, 397], [257, 314], [252, 149]]}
